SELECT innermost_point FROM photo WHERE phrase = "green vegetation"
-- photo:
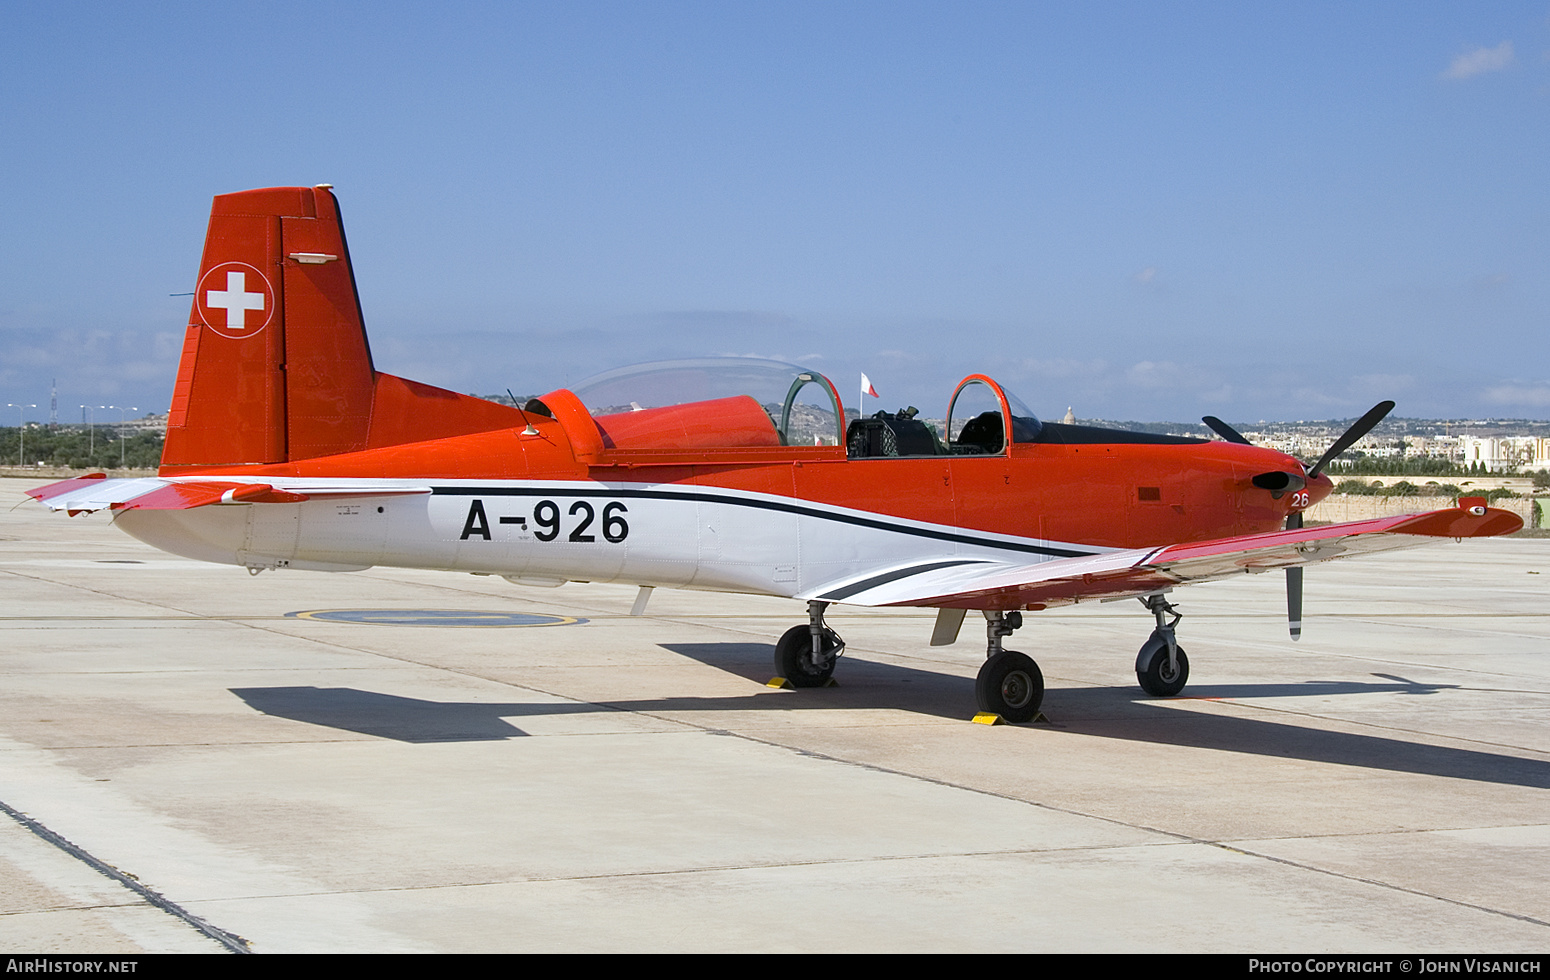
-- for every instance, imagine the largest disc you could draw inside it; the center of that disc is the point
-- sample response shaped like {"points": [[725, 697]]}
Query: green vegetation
{"points": [[80, 449], [1395, 466], [1404, 488], [1420, 466]]}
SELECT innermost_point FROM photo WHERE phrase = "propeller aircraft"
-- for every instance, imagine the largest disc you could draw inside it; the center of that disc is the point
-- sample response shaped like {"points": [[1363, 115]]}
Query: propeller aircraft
{"points": [[286, 448]]}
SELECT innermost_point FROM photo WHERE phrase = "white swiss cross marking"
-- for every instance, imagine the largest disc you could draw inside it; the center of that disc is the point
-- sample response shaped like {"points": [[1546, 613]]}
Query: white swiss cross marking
{"points": [[235, 300]]}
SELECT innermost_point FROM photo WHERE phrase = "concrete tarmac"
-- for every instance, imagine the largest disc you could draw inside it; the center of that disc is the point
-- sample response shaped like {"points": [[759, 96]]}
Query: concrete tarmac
{"points": [[291, 783]]}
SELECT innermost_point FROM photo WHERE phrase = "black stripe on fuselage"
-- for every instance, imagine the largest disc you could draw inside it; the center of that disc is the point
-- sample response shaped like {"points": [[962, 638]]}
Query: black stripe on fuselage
{"points": [[855, 588], [757, 504]]}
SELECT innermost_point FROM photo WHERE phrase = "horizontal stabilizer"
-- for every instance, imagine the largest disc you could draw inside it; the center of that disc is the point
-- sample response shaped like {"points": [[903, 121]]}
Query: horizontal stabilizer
{"points": [[184, 496], [93, 493]]}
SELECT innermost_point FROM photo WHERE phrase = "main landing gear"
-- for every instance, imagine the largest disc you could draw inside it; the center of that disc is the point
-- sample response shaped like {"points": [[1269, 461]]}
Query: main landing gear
{"points": [[805, 655], [1161, 666], [1009, 684]]}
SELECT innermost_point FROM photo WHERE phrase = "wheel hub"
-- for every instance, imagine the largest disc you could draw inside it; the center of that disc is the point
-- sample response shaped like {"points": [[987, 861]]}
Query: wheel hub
{"points": [[1016, 689]]}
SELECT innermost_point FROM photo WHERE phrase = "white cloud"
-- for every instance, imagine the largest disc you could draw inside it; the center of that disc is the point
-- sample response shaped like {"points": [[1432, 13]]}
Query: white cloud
{"points": [[1198, 383], [1366, 386], [94, 366], [1535, 394], [1057, 367], [1316, 398], [1146, 276], [1348, 397], [1478, 61]]}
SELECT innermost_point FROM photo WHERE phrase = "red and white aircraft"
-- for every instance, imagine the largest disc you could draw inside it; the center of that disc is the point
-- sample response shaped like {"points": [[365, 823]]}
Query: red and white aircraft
{"points": [[286, 449]]}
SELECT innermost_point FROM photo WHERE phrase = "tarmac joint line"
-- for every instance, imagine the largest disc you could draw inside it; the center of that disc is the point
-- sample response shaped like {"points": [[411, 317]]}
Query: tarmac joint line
{"points": [[232, 942]]}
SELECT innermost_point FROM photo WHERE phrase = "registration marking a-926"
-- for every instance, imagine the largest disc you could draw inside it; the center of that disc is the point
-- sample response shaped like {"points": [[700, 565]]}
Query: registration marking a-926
{"points": [[546, 522]]}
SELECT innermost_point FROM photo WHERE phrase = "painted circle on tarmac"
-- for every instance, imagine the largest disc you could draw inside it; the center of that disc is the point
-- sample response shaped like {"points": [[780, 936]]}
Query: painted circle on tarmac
{"points": [[433, 617]]}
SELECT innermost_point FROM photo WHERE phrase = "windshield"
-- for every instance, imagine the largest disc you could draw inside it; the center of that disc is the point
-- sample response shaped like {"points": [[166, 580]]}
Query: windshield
{"points": [[975, 422]]}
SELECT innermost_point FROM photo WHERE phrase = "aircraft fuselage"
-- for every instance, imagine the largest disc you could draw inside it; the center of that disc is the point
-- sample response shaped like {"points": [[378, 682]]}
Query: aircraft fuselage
{"points": [[775, 522]]}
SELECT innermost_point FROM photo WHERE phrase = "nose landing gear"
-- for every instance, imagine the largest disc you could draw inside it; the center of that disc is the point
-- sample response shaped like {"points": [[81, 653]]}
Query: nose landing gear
{"points": [[805, 655], [1161, 667], [1009, 684]]}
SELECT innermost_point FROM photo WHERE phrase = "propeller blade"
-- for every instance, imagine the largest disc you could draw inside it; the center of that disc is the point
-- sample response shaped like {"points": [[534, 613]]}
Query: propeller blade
{"points": [[1362, 427], [1224, 430], [1294, 601], [1294, 521], [1294, 586]]}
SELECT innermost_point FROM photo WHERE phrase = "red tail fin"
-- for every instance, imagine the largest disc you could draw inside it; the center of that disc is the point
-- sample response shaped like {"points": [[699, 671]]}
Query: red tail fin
{"points": [[275, 364]]}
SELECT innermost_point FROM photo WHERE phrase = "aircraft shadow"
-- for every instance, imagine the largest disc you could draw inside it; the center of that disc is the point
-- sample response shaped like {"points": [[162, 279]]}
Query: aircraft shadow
{"points": [[390, 716], [1155, 723], [1120, 713], [859, 683], [1312, 689]]}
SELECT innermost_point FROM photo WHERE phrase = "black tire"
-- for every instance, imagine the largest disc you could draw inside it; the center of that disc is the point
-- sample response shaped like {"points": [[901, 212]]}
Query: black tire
{"points": [[1010, 685], [794, 656], [1152, 669]]}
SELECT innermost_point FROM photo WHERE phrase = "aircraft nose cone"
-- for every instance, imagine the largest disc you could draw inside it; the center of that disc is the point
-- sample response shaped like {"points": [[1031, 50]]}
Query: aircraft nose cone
{"points": [[1319, 487]]}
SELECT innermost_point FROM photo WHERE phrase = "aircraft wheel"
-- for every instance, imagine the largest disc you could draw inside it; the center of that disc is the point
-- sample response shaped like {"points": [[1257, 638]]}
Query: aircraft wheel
{"points": [[794, 656], [1010, 685], [1152, 669]]}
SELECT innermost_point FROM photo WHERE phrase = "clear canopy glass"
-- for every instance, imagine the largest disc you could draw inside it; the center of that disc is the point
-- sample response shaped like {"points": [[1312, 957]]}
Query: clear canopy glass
{"points": [[801, 403]]}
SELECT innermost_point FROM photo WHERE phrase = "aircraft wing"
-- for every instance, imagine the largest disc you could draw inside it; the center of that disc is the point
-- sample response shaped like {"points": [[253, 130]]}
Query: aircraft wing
{"points": [[94, 492], [987, 583]]}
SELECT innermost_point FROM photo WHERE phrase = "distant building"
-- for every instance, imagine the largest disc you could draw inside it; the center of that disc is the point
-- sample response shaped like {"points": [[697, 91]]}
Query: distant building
{"points": [[1435, 447], [1507, 454]]}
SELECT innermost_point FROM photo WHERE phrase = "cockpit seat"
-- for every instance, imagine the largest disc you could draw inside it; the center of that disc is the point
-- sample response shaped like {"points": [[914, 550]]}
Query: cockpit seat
{"points": [[890, 434], [982, 435]]}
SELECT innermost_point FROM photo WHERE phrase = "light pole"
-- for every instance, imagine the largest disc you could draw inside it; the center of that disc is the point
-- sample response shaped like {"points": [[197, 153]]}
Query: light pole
{"points": [[21, 433], [121, 440], [91, 433], [99, 406]]}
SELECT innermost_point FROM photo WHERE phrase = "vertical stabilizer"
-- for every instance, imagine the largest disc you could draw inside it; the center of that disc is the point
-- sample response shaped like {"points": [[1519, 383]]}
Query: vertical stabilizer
{"points": [[275, 363]]}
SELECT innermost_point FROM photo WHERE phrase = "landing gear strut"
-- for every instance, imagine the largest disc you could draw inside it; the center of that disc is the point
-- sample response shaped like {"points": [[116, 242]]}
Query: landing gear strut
{"points": [[805, 655], [1009, 684], [1161, 666]]}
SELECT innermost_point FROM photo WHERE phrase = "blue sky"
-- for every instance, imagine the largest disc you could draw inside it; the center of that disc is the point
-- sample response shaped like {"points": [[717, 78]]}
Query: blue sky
{"points": [[1149, 211]]}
